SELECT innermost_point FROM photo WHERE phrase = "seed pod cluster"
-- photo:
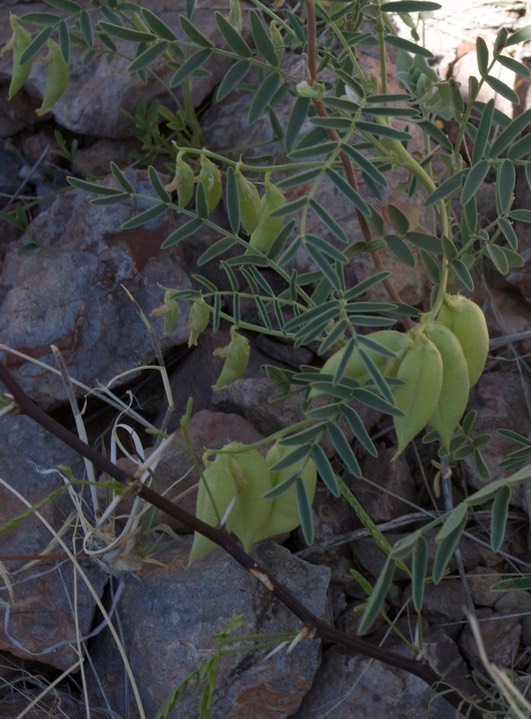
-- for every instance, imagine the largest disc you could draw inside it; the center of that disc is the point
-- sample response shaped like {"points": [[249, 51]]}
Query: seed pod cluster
{"points": [[446, 360], [231, 494], [437, 362]]}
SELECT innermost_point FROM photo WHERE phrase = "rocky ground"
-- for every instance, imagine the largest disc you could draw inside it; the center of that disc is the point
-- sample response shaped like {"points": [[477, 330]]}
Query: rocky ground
{"points": [[67, 279]]}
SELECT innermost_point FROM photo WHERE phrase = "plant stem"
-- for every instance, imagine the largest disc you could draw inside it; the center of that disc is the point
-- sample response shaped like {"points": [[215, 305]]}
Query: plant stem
{"points": [[345, 160]]}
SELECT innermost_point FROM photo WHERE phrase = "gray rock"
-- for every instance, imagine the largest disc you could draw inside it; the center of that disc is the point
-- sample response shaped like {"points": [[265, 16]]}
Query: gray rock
{"points": [[69, 292], [349, 687], [10, 165], [37, 598], [500, 636], [169, 616], [392, 490]]}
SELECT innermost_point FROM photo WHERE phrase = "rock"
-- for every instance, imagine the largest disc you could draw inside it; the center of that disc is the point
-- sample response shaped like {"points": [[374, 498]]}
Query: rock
{"points": [[521, 278], [500, 401], [10, 166], [350, 686], [392, 490], [94, 161], [444, 604], [195, 375], [509, 316], [169, 617], [53, 705], [250, 396], [500, 636], [37, 599], [84, 263]]}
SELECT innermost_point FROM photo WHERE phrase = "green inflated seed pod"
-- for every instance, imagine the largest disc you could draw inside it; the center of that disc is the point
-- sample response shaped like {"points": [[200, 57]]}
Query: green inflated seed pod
{"points": [[277, 40], [455, 383], [250, 205], [268, 227], [210, 178], [197, 320], [57, 81], [421, 371], [183, 181], [236, 355], [466, 320], [20, 41], [232, 490]]}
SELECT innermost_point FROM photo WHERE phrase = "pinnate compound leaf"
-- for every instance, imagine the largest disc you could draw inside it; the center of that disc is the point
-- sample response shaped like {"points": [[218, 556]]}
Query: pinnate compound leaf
{"points": [[149, 55], [502, 89], [157, 26], [324, 468], [519, 36], [66, 5], [189, 66], [85, 25], [233, 77], [419, 568], [444, 554], [36, 45], [403, 44], [410, 6], [377, 597], [296, 121], [505, 183], [474, 179], [483, 132], [482, 54], [344, 449], [511, 64], [126, 33], [144, 217], [194, 34], [262, 40], [263, 96], [182, 233], [349, 192], [510, 133], [499, 515], [232, 37]]}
